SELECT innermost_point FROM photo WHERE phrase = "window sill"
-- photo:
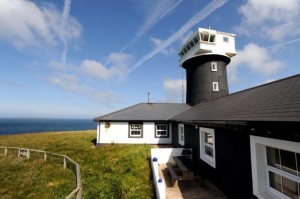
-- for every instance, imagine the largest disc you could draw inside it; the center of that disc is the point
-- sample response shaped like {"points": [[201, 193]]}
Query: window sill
{"points": [[268, 195]]}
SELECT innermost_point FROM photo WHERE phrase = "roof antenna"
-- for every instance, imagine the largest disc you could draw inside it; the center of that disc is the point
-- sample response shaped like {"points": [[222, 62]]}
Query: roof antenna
{"points": [[208, 26], [149, 97]]}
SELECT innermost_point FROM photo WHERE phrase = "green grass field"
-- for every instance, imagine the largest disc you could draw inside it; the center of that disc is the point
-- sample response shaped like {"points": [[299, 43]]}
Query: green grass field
{"points": [[112, 171]]}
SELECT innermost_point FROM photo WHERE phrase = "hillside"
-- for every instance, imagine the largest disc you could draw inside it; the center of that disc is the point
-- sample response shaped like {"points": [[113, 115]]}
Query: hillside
{"points": [[112, 171]]}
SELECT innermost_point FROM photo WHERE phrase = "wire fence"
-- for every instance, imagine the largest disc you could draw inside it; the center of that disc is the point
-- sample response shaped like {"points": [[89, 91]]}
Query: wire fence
{"points": [[67, 162]]}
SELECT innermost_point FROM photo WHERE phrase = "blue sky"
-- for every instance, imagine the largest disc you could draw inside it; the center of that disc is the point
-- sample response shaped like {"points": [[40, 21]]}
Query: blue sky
{"points": [[82, 59]]}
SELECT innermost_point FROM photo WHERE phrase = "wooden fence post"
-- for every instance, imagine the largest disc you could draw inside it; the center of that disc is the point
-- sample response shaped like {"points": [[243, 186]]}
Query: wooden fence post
{"points": [[5, 151], [65, 162], [45, 156]]}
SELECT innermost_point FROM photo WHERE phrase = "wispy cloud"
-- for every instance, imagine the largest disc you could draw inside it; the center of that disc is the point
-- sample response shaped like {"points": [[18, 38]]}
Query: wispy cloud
{"points": [[202, 14], [64, 21], [10, 83], [157, 42], [283, 43], [24, 24], [71, 83], [155, 11]]}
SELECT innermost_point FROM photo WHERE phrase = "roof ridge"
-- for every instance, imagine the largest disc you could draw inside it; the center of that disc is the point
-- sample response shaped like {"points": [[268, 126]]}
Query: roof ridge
{"points": [[255, 87], [265, 84], [95, 119]]}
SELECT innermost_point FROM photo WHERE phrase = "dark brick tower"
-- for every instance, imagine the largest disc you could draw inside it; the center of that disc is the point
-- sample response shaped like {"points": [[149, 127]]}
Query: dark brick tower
{"points": [[205, 56]]}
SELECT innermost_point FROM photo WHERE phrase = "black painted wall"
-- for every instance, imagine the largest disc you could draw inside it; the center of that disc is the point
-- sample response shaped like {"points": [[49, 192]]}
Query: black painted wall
{"points": [[200, 77], [232, 174]]}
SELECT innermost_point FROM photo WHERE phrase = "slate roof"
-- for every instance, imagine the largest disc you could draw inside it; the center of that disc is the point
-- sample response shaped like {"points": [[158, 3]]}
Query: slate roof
{"points": [[145, 112], [276, 101]]}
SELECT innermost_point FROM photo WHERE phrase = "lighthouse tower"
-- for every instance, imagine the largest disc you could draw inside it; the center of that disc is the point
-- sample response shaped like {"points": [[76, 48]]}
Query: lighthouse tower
{"points": [[205, 56]]}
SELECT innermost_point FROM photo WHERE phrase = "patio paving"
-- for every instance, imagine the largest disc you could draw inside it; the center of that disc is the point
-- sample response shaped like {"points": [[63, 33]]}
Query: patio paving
{"points": [[189, 189]]}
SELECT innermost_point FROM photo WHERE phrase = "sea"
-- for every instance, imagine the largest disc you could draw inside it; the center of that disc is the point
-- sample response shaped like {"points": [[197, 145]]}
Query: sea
{"points": [[36, 125]]}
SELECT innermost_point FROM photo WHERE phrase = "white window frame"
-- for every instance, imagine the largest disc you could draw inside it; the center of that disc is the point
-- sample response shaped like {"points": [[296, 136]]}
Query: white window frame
{"points": [[214, 66], [159, 130], [215, 86], [203, 156], [140, 130], [181, 134], [260, 169]]}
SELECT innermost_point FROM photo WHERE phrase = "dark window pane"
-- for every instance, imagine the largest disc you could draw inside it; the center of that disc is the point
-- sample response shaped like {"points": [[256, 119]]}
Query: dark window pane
{"points": [[212, 38], [162, 127], [288, 161], [273, 157], [289, 188], [209, 151], [205, 37], [188, 47], [196, 39], [163, 133], [275, 181]]}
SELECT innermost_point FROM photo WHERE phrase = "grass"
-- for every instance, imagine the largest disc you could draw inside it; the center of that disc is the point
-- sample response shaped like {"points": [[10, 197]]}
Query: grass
{"points": [[112, 171]]}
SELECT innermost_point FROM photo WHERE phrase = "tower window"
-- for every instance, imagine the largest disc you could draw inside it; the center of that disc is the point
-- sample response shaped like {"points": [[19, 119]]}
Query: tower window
{"points": [[225, 39], [196, 39], [207, 37], [214, 66], [212, 38], [215, 86]]}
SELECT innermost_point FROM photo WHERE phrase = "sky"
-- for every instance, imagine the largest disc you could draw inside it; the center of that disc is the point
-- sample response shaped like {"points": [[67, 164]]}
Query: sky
{"points": [[83, 59]]}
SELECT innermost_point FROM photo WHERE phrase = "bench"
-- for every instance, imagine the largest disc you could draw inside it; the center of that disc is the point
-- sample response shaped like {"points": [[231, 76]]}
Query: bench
{"points": [[174, 175], [185, 165]]}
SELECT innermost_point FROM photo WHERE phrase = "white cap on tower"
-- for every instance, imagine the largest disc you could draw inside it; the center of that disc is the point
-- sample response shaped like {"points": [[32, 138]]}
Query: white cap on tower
{"points": [[206, 41]]}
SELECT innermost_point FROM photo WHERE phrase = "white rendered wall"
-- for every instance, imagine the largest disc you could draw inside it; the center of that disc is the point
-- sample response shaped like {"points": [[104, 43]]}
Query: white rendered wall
{"points": [[163, 156], [118, 133]]}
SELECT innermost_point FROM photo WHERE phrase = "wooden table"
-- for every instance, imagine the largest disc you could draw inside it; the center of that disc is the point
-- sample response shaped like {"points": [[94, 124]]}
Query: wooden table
{"points": [[185, 165]]}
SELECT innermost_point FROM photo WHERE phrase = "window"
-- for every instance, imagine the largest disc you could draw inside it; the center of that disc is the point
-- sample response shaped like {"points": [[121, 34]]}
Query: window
{"points": [[188, 47], [196, 39], [207, 146], [135, 130], [214, 66], [181, 134], [215, 86], [212, 38], [225, 39], [161, 130], [207, 37], [282, 170], [275, 168]]}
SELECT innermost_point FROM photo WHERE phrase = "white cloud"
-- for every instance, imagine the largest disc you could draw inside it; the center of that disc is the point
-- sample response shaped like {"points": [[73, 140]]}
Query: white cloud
{"points": [[174, 89], [257, 59], [24, 24], [118, 62], [67, 81], [72, 83], [275, 20]]}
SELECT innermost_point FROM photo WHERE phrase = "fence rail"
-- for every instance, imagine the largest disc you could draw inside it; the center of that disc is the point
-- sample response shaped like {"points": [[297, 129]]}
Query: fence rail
{"points": [[24, 152]]}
